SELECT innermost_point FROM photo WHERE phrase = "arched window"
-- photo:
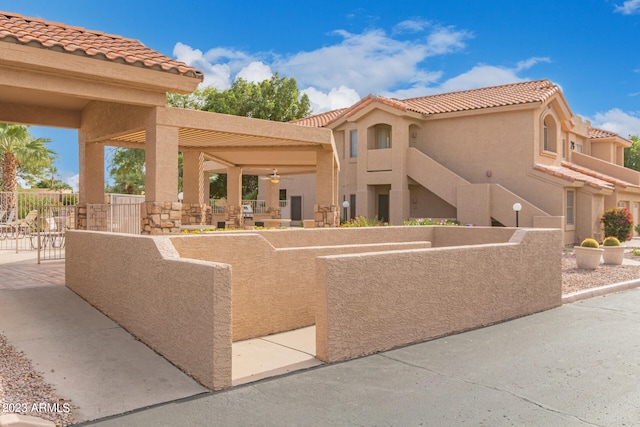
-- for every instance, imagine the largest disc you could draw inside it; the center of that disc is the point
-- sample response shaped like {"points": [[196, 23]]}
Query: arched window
{"points": [[550, 135], [383, 137]]}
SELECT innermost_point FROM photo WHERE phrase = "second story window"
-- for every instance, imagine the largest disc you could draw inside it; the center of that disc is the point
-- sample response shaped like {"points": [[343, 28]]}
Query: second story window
{"points": [[549, 135], [353, 142], [383, 137]]}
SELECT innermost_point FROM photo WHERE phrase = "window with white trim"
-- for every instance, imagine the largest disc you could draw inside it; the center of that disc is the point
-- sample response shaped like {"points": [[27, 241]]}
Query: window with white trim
{"points": [[570, 208], [353, 142]]}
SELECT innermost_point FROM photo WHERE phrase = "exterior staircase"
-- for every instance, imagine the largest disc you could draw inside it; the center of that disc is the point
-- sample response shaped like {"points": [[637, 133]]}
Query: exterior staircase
{"points": [[478, 204]]}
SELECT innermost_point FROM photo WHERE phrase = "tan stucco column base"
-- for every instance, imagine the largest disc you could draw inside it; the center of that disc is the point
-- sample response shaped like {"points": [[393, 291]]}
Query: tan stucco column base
{"points": [[326, 215], [234, 214], [161, 217], [196, 214]]}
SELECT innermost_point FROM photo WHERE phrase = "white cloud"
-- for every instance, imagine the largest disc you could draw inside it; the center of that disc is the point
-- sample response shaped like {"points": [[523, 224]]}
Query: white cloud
{"points": [[336, 98], [369, 62], [618, 121], [74, 182], [411, 26], [255, 72], [219, 65], [338, 75], [479, 76], [628, 7]]}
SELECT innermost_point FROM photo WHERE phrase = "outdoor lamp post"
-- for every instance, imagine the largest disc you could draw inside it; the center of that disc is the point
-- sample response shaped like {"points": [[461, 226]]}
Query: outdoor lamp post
{"points": [[516, 208], [345, 205]]}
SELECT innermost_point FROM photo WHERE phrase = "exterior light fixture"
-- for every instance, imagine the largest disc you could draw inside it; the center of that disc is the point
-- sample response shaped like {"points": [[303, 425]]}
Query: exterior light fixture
{"points": [[517, 207], [345, 205], [275, 180]]}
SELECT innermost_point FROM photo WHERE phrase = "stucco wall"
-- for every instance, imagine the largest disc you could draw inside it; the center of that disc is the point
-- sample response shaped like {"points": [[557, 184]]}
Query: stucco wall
{"points": [[373, 302], [273, 287], [180, 308]]}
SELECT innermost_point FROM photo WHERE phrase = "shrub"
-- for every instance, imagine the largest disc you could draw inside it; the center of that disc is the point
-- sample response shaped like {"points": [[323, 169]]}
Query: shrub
{"points": [[429, 221], [590, 243], [611, 241], [618, 223], [363, 221]]}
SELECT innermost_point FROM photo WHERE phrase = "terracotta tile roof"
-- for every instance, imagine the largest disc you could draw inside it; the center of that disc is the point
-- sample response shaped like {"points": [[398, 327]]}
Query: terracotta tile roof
{"points": [[610, 179], [319, 120], [486, 97], [467, 100], [15, 28], [595, 133], [572, 172]]}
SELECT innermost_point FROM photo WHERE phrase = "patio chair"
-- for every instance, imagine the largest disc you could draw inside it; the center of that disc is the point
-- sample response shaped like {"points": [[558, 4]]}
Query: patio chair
{"points": [[23, 227], [5, 227]]}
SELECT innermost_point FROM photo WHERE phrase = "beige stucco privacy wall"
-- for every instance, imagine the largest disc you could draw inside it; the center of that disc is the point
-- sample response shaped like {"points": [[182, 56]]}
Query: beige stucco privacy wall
{"points": [[372, 302], [181, 308], [273, 288]]}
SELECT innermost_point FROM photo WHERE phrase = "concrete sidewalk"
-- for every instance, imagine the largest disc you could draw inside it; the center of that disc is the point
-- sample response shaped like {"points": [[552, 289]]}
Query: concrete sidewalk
{"points": [[86, 356], [575, 365]]}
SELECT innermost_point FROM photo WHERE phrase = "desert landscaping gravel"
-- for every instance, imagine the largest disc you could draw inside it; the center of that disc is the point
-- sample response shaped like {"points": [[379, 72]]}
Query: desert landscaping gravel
{"points": [[575, 279], [21, 386], [24, 391]]}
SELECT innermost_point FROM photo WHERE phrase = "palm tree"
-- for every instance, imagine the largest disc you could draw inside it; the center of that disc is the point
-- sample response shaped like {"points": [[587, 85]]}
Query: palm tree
{"points": [[19, 151]]}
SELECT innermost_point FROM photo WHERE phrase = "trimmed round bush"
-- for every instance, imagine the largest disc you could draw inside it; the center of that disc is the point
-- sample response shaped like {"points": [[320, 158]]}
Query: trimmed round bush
{"points": [[611, 241], [590, 243]]}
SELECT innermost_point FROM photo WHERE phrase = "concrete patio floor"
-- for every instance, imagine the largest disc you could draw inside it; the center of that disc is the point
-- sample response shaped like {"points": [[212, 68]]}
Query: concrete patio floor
{"points": [[98, 365]]}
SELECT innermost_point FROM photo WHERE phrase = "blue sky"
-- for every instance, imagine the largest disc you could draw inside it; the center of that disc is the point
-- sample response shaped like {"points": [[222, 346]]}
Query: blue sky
{"points": [[341, 51]]}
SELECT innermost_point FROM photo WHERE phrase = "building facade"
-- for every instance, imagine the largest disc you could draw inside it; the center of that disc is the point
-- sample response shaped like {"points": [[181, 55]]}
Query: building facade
{"points": [[472, 155]]}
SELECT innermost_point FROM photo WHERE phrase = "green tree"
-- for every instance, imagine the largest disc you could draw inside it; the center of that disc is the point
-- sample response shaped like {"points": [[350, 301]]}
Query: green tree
{"points": [[22, 156], [632, 154], [277, 99], [127, 170]]}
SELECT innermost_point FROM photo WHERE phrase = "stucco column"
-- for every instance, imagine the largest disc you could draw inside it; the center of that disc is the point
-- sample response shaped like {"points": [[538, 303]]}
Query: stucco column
{"points": [[325, 208], [234, 196], [362, 203], [91, 183], [273, 199], [194, 206], [161, 213], [399, 196], [161, 154], [399, 203]]}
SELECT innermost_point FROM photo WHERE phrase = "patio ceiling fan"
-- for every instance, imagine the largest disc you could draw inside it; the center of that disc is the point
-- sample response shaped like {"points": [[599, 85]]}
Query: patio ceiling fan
{"points": [[274, 177]]}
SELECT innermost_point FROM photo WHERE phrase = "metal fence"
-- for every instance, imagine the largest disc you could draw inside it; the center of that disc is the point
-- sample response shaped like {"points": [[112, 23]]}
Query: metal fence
{"points": [[38, 220], [120, 218], [258, 206], [22, 215], [42, 229]]}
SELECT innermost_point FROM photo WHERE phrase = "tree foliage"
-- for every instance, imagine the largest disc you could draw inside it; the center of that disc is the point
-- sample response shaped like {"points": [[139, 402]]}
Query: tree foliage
{"points": [[276, 99], [23, 156], [127, 168], [632, 154]]}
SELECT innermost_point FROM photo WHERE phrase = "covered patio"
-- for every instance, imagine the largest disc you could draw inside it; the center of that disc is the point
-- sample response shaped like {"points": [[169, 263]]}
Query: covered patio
{"points": [[113, 91]]}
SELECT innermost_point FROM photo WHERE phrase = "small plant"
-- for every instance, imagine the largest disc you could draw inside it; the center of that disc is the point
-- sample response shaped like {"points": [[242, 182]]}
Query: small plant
{"points": [[429, 221], [637, 228], [611, 241], [590, 243], [635, 252], [618, 223], [363, 221]]}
